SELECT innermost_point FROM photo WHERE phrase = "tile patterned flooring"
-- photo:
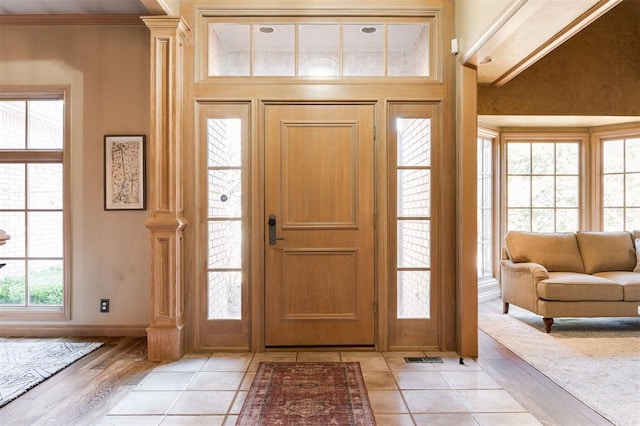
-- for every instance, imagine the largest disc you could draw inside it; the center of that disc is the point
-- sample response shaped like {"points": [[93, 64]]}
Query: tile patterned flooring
{"points": [[209, 389]]}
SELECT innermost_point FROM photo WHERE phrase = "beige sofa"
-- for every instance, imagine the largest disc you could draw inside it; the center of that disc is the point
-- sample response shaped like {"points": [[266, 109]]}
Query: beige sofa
{"points": [[583, 274]]}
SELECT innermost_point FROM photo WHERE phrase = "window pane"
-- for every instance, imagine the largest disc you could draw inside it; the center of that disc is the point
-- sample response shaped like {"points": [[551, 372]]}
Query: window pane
{"points": [[12, 181], [229, 46], [542, 159], [45, 282], [519, 219], [633, 218], [274, 50], [568, 158], [13, 223], [45, 186], [45, 234], [613, 156], [13, 125], [518, 158], [12, 282], [567, 191], [613, 219], [542, 190], [632, 156], [413, 192], [632, 188], [224, 295], [414, 139], [413, 294], [542, 220], [225, 244], [46, 124], [613, 190], [225, 193], [408, 50], [363, 50], [319, 50], [413, 244], [224, 138], [519, 192], [567, 220]]}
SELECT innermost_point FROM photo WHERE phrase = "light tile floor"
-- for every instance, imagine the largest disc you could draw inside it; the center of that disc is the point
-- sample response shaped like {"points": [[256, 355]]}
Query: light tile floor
{"points": [[209, 389]]}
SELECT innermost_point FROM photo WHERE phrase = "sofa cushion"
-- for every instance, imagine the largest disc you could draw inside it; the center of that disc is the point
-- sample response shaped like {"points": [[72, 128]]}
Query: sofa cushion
{"points": [[630, 282], [555, 251], [637, 268], [568, 286], [606, 251]]}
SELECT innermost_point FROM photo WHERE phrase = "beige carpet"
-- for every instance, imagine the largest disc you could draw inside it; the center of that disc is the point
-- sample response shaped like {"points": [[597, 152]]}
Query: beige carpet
{"points": [[595, 359]]}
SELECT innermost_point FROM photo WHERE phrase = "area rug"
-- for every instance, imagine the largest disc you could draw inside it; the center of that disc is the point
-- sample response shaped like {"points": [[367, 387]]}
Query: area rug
{"points": [[25, 362], [307, 393], [597, 360]]}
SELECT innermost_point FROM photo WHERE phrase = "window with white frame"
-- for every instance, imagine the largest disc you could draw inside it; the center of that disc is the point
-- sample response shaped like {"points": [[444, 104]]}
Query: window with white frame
{"points": [[485, 206], [620, 180], [32, 205], [542, 182]]}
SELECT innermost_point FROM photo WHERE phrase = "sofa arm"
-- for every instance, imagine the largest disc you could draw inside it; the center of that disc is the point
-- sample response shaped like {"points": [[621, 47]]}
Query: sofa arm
{"points": [[518, 283]]}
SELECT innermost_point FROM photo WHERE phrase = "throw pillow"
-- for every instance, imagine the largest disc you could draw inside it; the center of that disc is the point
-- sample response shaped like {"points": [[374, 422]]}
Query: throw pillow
{"points": [[637, 268]]}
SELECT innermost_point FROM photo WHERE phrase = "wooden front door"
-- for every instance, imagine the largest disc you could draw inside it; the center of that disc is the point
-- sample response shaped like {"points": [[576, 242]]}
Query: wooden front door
{"points": [[319, 225]]}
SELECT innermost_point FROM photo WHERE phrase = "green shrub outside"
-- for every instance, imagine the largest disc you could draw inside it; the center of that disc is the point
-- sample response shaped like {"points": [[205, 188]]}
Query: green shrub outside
{"points": [[45, 288]]}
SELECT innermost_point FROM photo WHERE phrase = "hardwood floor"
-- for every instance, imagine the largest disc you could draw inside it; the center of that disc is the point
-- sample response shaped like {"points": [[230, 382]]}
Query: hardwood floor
{"points": [[86, 391]]}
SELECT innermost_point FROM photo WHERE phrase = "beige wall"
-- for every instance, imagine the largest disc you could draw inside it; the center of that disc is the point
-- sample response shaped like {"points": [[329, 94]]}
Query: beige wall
{"points": [[597, 72], [107, 71]]}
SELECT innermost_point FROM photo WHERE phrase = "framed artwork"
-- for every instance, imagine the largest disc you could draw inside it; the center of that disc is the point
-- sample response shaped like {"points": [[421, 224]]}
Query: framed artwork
{"points": [[124, 172]]}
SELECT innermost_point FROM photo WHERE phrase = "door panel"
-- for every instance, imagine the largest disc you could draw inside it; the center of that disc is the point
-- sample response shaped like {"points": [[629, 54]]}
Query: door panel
{"points": [[319, 192]]}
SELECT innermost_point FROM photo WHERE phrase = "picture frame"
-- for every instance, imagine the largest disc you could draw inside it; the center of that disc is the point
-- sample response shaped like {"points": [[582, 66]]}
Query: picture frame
{"points": [[124, 172]]}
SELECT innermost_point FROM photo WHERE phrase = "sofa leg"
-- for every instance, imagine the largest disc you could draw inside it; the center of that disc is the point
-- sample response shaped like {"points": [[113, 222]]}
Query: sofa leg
{"points": [[505, 307], [548, 322]]}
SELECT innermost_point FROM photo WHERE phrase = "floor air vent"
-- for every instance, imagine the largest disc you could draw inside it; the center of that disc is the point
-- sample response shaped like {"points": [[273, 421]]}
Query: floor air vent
{"points": [[411, 359]]}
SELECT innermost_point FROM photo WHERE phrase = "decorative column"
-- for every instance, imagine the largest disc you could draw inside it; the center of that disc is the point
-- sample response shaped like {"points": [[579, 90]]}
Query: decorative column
{"points": [[166, 333]]}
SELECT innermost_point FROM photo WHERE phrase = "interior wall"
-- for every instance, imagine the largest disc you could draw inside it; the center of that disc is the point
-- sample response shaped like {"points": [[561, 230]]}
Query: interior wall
{"points": [[107, 71], [597, 72]]}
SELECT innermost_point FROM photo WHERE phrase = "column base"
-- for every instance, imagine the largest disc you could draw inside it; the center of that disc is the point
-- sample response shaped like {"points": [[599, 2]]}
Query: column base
{"points": [[165, 343]]}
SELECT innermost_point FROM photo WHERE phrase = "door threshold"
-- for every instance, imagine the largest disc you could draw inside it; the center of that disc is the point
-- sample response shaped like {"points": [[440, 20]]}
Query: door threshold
{"points": [[346, 348]]}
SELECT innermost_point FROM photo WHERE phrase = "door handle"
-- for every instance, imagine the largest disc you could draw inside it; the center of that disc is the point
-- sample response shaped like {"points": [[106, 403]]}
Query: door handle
{"points": [[272, 231]]}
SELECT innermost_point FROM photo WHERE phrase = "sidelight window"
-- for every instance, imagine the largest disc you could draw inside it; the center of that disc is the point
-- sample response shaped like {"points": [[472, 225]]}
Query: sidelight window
{"points": [[224, 218], [413, 176]]}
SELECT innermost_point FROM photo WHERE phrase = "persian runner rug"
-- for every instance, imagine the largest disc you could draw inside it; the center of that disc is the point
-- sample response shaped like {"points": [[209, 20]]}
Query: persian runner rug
{"points": [[25, 362], [307, 393]]}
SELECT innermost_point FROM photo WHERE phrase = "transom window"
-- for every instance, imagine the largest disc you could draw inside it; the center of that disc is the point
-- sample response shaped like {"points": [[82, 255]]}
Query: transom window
{"points": [[32, 207], [367, 49]]}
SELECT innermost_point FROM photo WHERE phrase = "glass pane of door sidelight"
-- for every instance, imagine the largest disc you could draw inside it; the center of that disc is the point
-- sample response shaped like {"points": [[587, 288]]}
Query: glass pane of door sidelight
{"points": [[413, 309], [223, 242]]}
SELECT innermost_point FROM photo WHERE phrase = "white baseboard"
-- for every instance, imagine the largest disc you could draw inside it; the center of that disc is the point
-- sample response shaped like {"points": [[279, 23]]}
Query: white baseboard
{"points": [[488, 289]]}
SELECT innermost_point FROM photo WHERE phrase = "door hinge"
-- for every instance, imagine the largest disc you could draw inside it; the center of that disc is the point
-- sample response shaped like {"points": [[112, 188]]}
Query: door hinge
{"points": [[375, 221], [375, 308], [375, 133]]}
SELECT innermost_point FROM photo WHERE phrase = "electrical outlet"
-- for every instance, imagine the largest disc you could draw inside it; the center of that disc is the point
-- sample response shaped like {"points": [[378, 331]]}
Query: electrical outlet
{"points": [[104, 305]]}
